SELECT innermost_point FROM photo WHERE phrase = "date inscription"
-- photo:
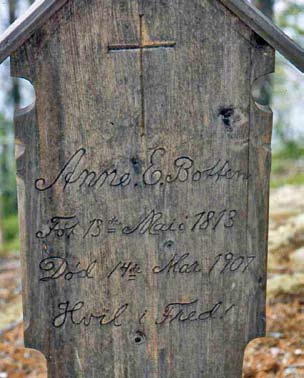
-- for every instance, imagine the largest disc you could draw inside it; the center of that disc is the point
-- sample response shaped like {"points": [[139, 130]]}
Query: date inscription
{"points": [[54, 267], [152, 223], [175, 264]]}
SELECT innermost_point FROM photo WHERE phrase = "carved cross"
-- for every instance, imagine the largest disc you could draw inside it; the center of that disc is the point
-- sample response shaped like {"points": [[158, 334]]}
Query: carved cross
{"points": [[141, 46]]}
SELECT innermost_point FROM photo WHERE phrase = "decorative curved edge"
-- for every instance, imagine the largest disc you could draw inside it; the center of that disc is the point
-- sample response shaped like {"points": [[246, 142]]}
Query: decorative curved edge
{"points": [[24, 111], [263, 65], [26, 137], [23, 120], [256, 86], [259, 164]]}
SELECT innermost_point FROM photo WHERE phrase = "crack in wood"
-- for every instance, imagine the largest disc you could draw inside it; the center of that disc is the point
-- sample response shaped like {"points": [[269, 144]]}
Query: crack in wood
{"points": [[142, 86]]}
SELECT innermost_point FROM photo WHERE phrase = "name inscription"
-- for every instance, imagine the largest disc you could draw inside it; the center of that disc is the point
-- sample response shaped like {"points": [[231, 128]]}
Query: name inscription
{"points": [[77, 173], [183, 169]]}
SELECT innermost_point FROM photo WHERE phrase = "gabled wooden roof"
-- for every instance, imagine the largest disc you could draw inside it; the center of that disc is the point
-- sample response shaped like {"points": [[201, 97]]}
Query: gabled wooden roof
{"points": [[41, 10]]}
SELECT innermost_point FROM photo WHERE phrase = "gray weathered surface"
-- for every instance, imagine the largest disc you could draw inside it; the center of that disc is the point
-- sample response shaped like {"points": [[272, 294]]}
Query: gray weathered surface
{"points": [[18, 33], [178, 106], [41, 10], [262, 25]]}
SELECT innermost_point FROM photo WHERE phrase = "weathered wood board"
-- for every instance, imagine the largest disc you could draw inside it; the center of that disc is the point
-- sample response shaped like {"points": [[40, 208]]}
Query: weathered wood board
{"points": [[143, 174]]}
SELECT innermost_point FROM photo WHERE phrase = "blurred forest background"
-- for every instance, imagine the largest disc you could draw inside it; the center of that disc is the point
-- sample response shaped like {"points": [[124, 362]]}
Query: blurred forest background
{"points": [[287, 102], [281, 355]]}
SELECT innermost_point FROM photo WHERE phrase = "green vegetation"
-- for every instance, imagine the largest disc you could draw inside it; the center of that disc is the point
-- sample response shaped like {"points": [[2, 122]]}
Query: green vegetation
{"points": [[291, 151], [9, 241], [288, 165], [297, 179], [11, 235]]}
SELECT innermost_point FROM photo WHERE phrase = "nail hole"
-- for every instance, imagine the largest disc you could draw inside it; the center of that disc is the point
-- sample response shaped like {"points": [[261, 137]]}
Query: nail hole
{"points": [[169, 244], [136, 165], [139, 337]]}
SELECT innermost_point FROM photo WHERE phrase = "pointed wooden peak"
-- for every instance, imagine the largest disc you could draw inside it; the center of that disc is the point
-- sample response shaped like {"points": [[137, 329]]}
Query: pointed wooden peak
{"points": [[42, 10]]}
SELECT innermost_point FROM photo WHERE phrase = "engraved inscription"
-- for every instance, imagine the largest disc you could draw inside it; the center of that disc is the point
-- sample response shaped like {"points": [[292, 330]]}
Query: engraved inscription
{"points": [[55, 267], [77, 173], [153, 222], [174, 312], [87, 226]]}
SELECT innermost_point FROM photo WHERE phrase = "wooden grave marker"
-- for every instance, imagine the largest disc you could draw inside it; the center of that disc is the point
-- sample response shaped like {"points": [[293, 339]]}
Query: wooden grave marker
{"points": [[143, 177]]}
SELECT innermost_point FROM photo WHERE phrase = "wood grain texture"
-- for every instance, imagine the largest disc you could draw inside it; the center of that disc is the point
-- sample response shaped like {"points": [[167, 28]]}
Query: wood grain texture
{"points": [[180, 120], [18, 33], [266, 29]]}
